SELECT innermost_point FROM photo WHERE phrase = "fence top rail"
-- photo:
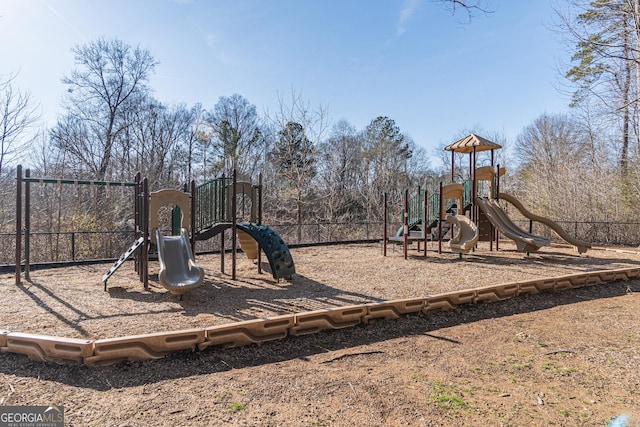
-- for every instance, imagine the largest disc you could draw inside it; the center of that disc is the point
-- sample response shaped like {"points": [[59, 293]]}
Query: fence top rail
{"points": [[78, 182]]}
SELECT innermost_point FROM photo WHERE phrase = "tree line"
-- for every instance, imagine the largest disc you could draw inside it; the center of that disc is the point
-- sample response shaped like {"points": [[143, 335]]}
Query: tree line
{"points": [[112, 127], [579, 166]]}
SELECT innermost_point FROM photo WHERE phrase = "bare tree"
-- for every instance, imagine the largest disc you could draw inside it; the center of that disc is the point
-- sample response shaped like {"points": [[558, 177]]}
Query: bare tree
{"points": [[471, 7], [559, 176], [240, 135], [17, 114], [340, 164], [155, 137], [293, 155], [296, 131], [110, 73]]}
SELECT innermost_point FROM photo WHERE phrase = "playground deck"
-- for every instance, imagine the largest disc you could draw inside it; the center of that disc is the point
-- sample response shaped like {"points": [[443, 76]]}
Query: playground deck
{"points": [[70, 302]]}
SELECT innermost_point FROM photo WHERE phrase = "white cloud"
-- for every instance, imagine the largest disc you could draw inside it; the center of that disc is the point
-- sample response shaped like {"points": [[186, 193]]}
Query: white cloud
{"points": [[214, 42], [408, 10]]}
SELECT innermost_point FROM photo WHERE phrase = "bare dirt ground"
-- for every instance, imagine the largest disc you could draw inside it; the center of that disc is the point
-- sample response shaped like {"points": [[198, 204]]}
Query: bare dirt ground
{"points": [[569, 358]]}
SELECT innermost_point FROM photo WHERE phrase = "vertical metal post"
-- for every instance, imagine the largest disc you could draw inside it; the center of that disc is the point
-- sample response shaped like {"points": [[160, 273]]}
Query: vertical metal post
{"points": [[453, 163], [425, 211], [259, 220], [384, 226], [73, 245], [18, 223], [27, 224], [417, 214], [234, 226], [474, 188], [222, 251], [405, 223], [145, 232], [497, 190], [440, 209], [192, 189], [497, 232], [137, 225]]}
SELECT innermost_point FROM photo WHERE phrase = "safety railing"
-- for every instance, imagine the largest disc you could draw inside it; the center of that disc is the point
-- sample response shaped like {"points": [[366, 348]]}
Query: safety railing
{"points": [[211, 203]]}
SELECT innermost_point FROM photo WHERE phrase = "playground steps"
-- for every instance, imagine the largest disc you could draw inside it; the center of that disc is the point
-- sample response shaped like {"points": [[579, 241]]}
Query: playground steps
{"points": [[433, 230], [153, 346]]}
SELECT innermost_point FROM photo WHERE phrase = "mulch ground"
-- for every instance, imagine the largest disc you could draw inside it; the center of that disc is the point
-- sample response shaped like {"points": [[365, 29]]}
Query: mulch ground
{"points": [[566, 358]]}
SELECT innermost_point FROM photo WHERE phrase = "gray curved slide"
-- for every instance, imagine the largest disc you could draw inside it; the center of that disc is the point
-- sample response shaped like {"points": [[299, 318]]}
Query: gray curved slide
{"points": [[178, 270], [525, 242]]}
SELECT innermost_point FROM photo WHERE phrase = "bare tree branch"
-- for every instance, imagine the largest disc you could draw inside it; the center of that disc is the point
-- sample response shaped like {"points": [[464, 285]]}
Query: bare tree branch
{"points": [[17, 114]]}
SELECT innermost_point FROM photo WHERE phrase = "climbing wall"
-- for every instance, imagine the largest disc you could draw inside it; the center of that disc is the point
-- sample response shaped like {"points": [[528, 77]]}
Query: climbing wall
{"points": [[274, 247]]}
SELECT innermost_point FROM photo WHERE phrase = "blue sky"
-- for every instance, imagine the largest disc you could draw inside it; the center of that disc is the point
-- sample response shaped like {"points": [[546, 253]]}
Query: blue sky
{"points": [[410, 60]]}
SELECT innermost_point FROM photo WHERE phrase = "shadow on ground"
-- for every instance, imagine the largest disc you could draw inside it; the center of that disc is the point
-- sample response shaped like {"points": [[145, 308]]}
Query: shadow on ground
{"points": [[186, 364]]}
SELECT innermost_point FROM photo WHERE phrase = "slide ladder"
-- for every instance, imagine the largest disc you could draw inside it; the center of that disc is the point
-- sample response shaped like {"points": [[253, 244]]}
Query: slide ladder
{"points": [[121, 260]]}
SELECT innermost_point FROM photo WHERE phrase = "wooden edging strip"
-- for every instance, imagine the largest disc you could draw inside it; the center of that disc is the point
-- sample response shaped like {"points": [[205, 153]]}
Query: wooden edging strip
{"points": [[153, 346]]}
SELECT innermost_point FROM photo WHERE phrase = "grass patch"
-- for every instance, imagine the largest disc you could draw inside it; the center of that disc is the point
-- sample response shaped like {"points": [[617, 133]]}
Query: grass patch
{"points": [[556, 370], [446, 397], [520, 366], [235, 407]]}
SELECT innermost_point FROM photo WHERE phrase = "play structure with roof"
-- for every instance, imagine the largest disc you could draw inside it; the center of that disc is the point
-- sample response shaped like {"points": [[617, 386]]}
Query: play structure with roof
{"points": [[206, 211], [460, 207]]}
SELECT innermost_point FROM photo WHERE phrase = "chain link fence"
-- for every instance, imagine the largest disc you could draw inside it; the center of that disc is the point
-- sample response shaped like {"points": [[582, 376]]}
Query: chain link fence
{"points": [[46, 247]]}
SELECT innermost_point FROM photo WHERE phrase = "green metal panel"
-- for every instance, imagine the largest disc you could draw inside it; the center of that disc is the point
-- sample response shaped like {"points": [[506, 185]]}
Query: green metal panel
{"points": [[211, 203], [176, 221]]}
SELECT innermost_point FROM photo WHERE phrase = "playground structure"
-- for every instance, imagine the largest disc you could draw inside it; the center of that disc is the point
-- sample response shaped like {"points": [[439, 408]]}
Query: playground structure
{"points": [[208, 224], [431, 213], [204, 212]]}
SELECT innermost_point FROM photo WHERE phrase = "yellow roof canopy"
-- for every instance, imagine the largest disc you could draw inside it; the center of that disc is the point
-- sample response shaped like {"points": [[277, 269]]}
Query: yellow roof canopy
{"points": [[466, 144]]}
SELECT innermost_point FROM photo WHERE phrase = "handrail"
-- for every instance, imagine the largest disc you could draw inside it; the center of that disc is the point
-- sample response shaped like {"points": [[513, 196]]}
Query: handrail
{"points": [[210, 203], [415, 207]]}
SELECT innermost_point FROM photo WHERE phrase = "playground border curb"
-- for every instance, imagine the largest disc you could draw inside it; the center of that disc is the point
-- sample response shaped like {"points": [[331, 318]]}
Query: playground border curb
{"points": [[101, 352]]}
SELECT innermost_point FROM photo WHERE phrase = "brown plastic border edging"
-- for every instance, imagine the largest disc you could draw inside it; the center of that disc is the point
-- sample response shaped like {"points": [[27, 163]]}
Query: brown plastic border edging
{"points": [[157, 345]]}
